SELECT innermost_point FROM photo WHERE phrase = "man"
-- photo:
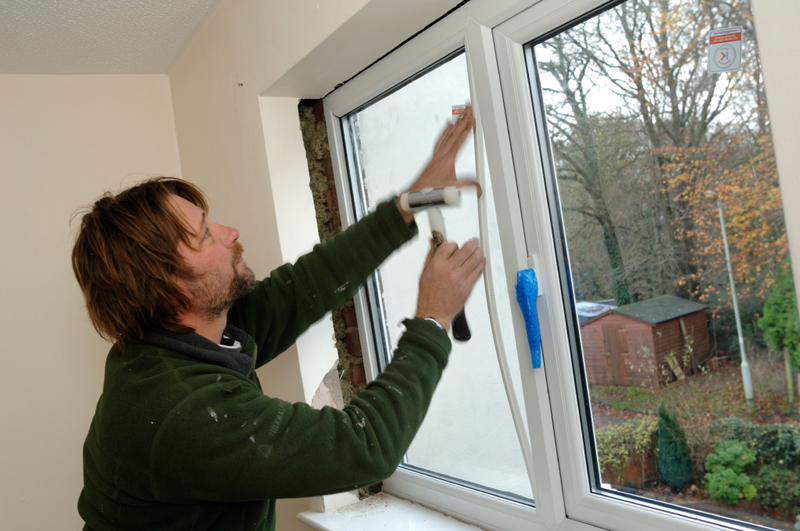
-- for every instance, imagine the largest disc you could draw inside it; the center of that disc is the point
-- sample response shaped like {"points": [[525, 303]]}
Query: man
{"points": [[183, 437]]}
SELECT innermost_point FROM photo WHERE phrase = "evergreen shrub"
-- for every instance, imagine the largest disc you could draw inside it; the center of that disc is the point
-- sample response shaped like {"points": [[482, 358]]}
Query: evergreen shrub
{"points": [[726, 485], [780, 322], [674, 462], [618, 444]]}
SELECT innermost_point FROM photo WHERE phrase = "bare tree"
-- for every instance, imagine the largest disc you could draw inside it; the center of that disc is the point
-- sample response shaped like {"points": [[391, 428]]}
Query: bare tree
{"points": [[649, 60], [577, 136]]}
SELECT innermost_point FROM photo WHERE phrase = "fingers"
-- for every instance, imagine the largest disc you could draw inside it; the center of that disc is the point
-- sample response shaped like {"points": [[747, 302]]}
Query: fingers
{"points": [[442, 139], [447, 248], [469, 257], [480, 264], [431, 251], [448, 279], [455, 134], [463, 128], [450, 250], [441, 171], [466, 261]]}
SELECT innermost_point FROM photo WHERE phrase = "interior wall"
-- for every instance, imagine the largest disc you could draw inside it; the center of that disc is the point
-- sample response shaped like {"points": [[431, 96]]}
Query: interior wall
{"points": [[64, 140], [775, 23]]}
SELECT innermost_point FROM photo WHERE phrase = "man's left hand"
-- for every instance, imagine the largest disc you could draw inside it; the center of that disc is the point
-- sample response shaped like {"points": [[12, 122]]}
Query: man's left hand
{"points": [[441, 170]]}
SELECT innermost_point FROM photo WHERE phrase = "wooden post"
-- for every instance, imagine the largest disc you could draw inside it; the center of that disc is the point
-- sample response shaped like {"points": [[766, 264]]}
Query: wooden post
{"points": [[798, 380], [675, 366], [787, 360], [693, 365]]}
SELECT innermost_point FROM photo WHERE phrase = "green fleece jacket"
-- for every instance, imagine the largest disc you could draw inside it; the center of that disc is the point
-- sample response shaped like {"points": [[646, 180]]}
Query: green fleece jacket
{"points": [[183, 438]]}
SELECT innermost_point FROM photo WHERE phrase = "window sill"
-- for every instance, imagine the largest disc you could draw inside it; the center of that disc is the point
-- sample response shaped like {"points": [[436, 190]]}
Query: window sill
{"points": [[385, 512]]}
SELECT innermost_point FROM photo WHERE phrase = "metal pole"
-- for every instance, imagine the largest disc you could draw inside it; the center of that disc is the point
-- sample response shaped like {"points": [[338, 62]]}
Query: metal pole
{"points": [[746, 377]]}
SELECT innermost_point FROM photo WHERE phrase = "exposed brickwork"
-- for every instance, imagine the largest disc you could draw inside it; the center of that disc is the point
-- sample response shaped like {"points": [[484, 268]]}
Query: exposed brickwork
{"points": [[320, 168], [352, 376]]}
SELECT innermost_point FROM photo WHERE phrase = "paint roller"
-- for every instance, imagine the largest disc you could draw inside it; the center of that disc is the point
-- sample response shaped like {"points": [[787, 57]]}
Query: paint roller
{"points": [[431, 199]]}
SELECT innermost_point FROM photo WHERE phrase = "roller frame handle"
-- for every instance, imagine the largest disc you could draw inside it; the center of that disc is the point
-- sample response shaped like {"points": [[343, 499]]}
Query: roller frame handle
{"points": [[461, 331]]}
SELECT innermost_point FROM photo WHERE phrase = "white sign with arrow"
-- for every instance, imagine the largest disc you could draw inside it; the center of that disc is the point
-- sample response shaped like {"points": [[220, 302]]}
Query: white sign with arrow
{"points": [[725, 50]]}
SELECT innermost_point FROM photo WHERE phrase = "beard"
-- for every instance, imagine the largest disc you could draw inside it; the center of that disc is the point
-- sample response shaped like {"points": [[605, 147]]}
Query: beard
{"points": [[213, 296]]}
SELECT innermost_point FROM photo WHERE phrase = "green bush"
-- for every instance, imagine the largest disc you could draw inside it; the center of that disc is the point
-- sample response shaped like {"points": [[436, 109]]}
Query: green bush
{"points": [[778, 489], [726, 485], [775, 444], [674, 463], [734, 455], [726, 480]]}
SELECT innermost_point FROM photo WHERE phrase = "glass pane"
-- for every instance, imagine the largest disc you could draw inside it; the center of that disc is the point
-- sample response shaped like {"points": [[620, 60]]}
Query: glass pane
{"points": [[660, 162], [468, 434]]}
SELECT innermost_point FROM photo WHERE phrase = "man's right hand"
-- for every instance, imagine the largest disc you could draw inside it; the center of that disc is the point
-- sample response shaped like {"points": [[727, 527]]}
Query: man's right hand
{"points": [[447, 280]]}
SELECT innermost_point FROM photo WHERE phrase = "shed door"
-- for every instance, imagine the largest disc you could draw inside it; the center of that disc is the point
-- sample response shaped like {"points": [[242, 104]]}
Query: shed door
{"points": [[615, 340]]}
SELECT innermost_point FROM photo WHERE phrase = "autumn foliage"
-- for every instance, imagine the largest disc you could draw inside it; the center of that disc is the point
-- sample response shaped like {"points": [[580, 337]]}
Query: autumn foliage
{"points": [[744, 179]]}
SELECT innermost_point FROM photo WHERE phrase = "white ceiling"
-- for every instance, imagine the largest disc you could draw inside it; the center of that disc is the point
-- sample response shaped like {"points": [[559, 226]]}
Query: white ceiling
{"points": [[97, 36]]}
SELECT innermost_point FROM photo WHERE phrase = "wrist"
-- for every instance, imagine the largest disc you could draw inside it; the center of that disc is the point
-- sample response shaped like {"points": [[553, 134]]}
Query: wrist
{"points": [[437, 323], [442, 324]]}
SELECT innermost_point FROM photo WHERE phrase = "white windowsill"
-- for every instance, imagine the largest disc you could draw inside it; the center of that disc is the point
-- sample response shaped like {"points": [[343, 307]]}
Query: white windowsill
{"points": [[383, 511]]}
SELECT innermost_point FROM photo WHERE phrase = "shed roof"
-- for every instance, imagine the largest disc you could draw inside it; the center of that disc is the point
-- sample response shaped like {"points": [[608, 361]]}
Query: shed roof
{"points": [[660, 309], [587, 310]]}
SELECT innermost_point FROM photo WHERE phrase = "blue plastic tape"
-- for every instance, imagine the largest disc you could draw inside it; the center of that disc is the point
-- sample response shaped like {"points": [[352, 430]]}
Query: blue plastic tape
{"points": [[527, 291]]}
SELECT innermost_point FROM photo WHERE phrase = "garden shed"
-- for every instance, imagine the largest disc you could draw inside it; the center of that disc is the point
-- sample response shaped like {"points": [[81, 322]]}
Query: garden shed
{"points": [[650, 343]]}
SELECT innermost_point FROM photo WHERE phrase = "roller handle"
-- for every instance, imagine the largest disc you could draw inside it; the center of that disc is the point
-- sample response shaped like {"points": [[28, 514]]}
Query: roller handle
{"points": [[461, 328]]}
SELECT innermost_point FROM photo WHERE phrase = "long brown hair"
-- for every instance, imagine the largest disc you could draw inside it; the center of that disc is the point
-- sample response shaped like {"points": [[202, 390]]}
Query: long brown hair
{"points": [[126, 259]]}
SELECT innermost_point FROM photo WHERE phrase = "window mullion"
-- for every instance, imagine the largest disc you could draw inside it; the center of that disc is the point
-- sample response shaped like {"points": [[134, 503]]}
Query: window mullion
{"points": [[541, 244], [492, 116]]}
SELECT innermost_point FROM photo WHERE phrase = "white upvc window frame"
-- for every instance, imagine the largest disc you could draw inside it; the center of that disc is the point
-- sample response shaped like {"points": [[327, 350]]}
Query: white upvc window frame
{"points": [[606, 509], [493, 34]]}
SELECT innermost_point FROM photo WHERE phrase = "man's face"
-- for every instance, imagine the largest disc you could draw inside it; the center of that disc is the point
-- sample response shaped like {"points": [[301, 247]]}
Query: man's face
{"points": [[215, 257]]}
